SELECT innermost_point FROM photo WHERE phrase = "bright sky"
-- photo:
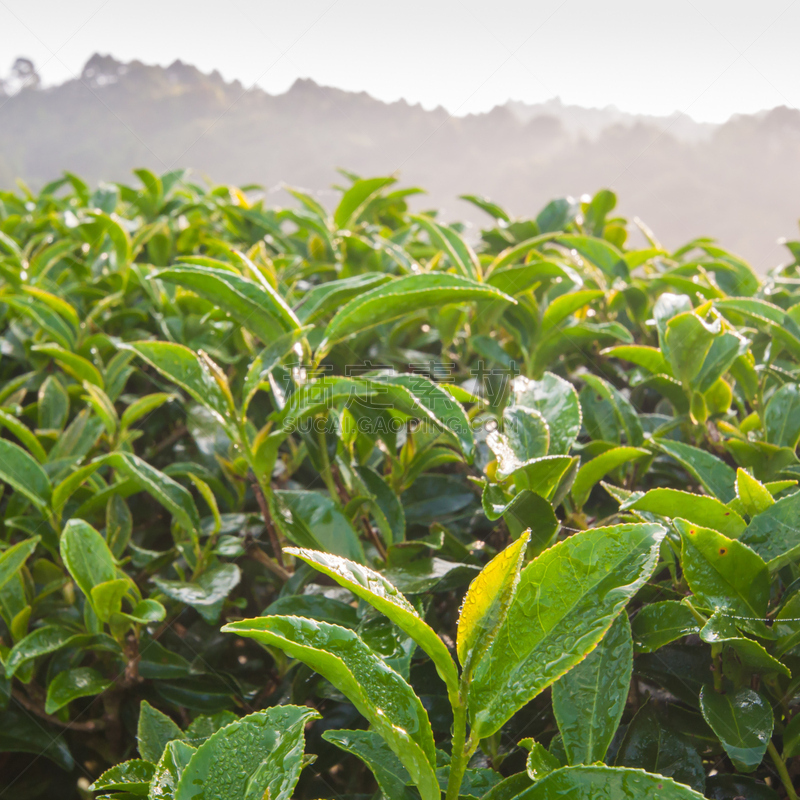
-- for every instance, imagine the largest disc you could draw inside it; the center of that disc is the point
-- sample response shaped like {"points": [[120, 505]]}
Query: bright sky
{"points": [[707, 58]]}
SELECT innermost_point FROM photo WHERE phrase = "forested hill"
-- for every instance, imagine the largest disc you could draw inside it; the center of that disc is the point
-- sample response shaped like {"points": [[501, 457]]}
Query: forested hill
{"points": [[737, 182]]}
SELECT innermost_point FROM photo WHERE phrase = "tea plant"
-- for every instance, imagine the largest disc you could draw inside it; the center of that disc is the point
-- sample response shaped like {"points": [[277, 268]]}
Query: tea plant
{"points": [[511, 519]]}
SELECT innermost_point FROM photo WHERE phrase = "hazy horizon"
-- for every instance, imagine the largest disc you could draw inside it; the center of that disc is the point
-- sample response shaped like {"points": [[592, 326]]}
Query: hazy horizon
{"points": [[705, 59]]}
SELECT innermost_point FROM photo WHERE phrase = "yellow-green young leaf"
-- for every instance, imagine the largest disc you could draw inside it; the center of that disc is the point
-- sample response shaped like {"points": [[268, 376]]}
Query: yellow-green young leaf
{"points": [[700, 509], [72, 684], [565, 305], [86, 556], [754, 496], [378, 592], [21, 472], [143, 407], [184, 368], [48, 320], [24, 434], [107, 597], [643, 356], [617, 783], [102, 406], [566, 600], [70, 484], [596, 469], [539, 762], [688, 339], [460, 254], [77, 366], [257, 306], [211, 501], [486, 603], [374, 688], [356, 199], [775, 533], [174, 760], [58, 304], [11, 560], [402, 296]]}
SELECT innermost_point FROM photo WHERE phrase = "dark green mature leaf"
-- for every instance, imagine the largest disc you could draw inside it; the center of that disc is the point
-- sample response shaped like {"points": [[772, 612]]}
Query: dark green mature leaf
{"points": [[410, 293], [72, 684], [619, 783], [376, 690], [313, 520], [775, 533], [651, 744], [389, 772], [154, 731], [715, 475], [257, 306], [725, 786], [22, 473], [658, 624], [566, 600], [782, 416], [589, 700], [706, 511], [753, 495], [722, 572], [207, 594], [608, 414], [380, 593], [22, 733], [743, 721]]}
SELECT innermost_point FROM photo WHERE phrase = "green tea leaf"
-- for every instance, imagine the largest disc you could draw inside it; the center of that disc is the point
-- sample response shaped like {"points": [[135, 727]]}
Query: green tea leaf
{"points": [[257, 306], [131, 776], [72, 684], [651, 744], [715, 475], [643, 356], [595, 470], [699, 509], [775, 533], [402, 296], [619, 783], [608, 414], [589, 700], [12, 559], [486, 603], [380, 593], [376, 690], [557, 401], [658, 624], [207, 594], [753, 495], [457, 250], [154, 731], [389, 772], [23, 474], [722, 572], [86, 556], [311, 519], [77, 366], [184, 368], [743, 722], [566, 600], [173, 762]]}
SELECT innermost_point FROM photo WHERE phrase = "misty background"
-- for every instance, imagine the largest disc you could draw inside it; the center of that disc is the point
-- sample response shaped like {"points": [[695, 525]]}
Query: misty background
{"points": [[688, 111]]}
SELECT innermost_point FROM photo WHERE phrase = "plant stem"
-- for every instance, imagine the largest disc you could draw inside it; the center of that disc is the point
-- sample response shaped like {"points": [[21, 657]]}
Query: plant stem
{"points": [[462, 751], [780, 765]]}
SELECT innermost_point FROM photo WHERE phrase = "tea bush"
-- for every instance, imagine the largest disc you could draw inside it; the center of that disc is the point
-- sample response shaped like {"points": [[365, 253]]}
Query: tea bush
{"points": [[301, 503]]}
